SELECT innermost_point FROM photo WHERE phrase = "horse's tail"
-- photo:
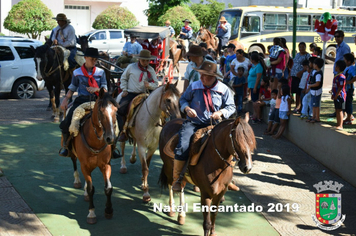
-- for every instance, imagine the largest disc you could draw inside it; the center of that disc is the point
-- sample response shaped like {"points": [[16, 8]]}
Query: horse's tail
{"points": [[163, 179]]}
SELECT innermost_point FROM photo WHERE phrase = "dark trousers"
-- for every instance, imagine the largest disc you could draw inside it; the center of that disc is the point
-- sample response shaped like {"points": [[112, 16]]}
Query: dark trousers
{"points": [[64, 125], [222, 42], [185, 134], [71, 60], [349, 99], [123, 108]]}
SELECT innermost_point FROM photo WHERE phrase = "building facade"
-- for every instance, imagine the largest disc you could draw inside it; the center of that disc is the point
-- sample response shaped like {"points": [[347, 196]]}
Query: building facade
{"points": [[82, 13]]}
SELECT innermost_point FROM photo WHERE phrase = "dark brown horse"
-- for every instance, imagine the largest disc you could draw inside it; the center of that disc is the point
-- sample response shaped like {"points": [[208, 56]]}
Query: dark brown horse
{"points": [[92, 146], [228, 140], [207, 37]]}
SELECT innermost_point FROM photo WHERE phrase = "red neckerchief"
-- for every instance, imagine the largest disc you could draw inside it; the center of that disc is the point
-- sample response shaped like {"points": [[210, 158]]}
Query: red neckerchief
{"points": [[143, 69], [220, 25], [91, 81], [207, 97], [187, 27]]}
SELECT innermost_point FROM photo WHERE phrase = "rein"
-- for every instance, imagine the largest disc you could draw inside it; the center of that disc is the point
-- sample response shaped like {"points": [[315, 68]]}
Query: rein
{"points": [[149, 113], [51, 70], [235, 155]]}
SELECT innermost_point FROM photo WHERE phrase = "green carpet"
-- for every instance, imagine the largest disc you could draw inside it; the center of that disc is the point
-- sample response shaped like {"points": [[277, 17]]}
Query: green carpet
{"points": [[28, 156]]}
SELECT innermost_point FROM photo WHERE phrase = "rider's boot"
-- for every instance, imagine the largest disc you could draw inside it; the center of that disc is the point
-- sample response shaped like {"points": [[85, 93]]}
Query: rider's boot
{"points": [[114, 152], [177, 169], [121, 121], [64, 151]]}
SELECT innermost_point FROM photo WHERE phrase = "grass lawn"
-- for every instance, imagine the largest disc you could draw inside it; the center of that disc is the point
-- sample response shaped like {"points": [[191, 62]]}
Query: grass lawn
{"points": [[327, 108]]}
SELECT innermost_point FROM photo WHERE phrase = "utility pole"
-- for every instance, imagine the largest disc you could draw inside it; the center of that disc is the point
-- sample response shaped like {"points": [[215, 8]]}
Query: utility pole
{"points": [[294, 26]]}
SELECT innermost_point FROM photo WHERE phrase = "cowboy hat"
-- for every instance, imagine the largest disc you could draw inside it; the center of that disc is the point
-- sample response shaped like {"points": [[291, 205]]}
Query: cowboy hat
{"points": [[196, 51], [91, 52], [61, 16], [186, 20], [208, 68], [145, 55], [223, 19], [167, 22]]}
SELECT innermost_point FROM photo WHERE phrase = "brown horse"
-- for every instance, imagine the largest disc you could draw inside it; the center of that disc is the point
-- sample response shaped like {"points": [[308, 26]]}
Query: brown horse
{"points": [[176, 53], [228, 140], [207, 37], [92, 146]]}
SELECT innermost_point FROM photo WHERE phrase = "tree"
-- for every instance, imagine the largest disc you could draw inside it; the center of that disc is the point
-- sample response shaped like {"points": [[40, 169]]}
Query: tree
{"points": [[156, 8], [30, 17], [208, 14], [115, 17], [176, 15]]}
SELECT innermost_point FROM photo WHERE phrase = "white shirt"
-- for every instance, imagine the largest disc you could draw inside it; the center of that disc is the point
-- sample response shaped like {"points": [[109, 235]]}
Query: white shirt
{"points": [[284, 103], [245, 64], [303, 80]]}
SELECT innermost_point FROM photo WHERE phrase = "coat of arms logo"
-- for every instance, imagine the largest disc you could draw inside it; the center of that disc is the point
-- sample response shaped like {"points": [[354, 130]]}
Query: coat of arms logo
{"points": [[328, 205]]}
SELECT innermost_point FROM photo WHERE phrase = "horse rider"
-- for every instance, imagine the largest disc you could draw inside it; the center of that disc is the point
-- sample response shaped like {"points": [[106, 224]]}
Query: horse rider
{"points": [[137, 78], [64, 35], [168, 24], [186, 34], [223, 32], [87, 80], [205, 101], [131, 49], [197, 56]]}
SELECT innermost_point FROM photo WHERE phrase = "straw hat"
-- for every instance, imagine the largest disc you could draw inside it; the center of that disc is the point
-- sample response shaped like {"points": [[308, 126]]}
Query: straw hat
{"points": [[196, 51], [223, 19], [146, 55], [208, 68], [61, 16]]}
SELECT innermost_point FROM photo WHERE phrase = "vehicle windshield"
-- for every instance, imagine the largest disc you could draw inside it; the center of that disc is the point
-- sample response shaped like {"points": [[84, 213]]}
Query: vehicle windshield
{"points": [[233, 17]]}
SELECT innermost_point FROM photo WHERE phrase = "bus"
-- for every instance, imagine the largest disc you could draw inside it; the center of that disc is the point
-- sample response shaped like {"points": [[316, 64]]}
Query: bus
{"points": [[256, 26]]}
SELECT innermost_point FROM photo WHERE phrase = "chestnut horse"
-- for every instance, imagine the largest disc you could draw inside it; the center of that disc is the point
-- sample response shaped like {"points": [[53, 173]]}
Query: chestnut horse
{"points": [[228, 140], [148, 127], [92, 146], [207, 37], [176, 53]]}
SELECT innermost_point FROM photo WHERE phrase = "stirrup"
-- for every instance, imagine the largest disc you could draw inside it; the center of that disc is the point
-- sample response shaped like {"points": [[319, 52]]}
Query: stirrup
{"points": [[63, 152]]}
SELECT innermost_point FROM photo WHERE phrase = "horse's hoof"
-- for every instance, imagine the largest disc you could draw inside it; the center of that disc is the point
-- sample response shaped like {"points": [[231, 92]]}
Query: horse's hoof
{"points": [[77, 185], [133, 160], [181, 220], [196, 189], [213, 234], [171, 214], [91, 221], [146, 199], [222, 199], [123, 170], [86, 198], [56, 120], [109, 215]]}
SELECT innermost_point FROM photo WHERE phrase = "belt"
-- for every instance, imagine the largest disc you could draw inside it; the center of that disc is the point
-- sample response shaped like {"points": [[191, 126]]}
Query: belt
{"points": [[92, 97]]}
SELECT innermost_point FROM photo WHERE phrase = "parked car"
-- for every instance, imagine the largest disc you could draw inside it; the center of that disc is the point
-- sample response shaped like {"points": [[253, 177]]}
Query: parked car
{"points": [[107, 40], [17, 67]]}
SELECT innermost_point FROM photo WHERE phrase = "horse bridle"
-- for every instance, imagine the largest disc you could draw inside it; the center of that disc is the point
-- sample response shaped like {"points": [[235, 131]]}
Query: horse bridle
{"points": [[235, 155], [160, 101], [51, 70]]}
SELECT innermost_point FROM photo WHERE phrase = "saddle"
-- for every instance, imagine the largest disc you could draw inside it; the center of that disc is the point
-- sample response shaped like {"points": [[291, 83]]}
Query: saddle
{"points": [[197, 144], [79, 57]]}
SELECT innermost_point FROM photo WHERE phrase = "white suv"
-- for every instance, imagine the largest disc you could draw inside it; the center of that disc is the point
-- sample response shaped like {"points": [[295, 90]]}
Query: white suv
{"points": [[17, 67], [107, 40]]}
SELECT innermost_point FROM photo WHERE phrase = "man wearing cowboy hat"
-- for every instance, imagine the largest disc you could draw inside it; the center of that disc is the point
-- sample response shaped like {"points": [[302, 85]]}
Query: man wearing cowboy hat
{"points": [[131, 49], [168, 24], [87, 81], [223, 32], [197, 57], [64, 35], [204, 99], [186, 34], [136, 79]]}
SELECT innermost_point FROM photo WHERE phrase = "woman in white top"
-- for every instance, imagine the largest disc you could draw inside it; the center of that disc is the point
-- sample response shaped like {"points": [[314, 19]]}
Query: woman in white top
{"points": [[284, 109]]}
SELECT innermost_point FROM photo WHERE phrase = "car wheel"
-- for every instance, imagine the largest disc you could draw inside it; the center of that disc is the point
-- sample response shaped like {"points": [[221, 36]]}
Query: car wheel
{"points": [[24, 89]]}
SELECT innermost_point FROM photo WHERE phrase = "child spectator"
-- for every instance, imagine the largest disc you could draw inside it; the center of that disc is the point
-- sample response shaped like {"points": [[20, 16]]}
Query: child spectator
{"points": [[264, 99], [277, 60], [229, 58], [272, 111], [284, 110], [306, 101], [312, 46], [238, 85], [318, 52], [316, 88], [302, 84], [350, 79], [338, 92]]}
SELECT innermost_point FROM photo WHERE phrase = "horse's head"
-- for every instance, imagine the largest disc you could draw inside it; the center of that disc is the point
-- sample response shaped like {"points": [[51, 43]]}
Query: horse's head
{"points": [[106, 108], [40, 59], [170, 100], [84, 42], [244, 143]]}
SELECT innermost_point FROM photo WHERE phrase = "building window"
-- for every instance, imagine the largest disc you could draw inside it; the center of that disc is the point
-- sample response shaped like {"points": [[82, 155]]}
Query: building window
{"points": [[76, 7]]}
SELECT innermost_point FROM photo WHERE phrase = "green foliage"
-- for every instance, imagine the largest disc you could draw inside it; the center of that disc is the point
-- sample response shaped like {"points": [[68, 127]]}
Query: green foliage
{"points": [[30, 17], [208, 14], [115, 17], [1, 34], [230, 5], [176, 15], [157, 8]]}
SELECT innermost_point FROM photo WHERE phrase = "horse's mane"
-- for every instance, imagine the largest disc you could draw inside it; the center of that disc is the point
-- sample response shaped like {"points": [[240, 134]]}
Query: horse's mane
{"points": [[244, 135], [42, 49], [104, 101], [174, 89]]}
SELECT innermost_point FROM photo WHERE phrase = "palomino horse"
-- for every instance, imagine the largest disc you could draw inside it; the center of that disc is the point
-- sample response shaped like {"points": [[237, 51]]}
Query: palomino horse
{"points": [[147, 128], [49, 66], [213, 172], [207, 37], [92, 146]]}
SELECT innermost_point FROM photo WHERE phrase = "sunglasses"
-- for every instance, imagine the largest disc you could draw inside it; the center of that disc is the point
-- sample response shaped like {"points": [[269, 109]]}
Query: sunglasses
{"points": [[337, 36]]}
